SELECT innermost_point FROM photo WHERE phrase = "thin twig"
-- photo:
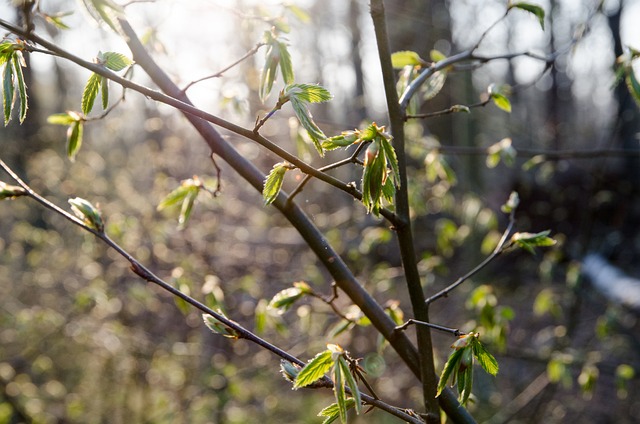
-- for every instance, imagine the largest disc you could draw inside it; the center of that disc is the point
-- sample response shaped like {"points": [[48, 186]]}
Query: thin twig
{"points": [[496, 252], [452, 109], [347, 161], [444, 329], [219, 74]]}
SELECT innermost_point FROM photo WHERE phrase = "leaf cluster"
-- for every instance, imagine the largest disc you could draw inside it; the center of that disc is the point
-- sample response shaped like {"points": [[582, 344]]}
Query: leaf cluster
{"points": [[12, 60]]}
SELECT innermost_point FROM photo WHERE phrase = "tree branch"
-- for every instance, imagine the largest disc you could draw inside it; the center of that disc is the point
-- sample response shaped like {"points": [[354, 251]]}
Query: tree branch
{"points": [[146, 274]]}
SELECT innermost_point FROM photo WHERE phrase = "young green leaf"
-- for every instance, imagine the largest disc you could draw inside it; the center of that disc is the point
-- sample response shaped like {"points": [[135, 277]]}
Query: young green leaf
{"points": [[437, 55], [10, 191], [406, 58], [391, 158], [90, 93], [104, 90], [512, 203], [286, 66], [104, 11], [114, 61], [347, 138], [8, 90], [306, 120], [315, 369], [56, 20], [88, 213], [501, 101], [273, 182], [308, 93], [374, 170], [284, 299], [486, 360], [332, 412], [450, 367], [186, 194], [218, 327], [74, 139], [18, 63], [63, 118], [289, 370], [528, 241], [531, 8], [351, 383], [338, 390]]}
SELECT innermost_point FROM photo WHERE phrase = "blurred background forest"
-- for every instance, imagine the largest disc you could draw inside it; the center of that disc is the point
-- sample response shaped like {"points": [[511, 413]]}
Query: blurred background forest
{"points": [[84, 340]]}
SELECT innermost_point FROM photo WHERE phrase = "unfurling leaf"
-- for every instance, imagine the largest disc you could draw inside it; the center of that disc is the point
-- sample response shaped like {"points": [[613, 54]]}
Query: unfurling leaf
{"points": [[332, 412], [289, 370], [512, 203], [347, 138], [406, 58], [88, 213], [351, 383], [10, 191], [277, 56], [528, 241], [114, 61], [74, 139], [300, 95], [315, 369], [284, 299], [459, 366], [104, 11], [273, 182], [56, 20], [186, 194], [90, 92], [66, 118], [12, 76], [531, 8], [218, 327]]}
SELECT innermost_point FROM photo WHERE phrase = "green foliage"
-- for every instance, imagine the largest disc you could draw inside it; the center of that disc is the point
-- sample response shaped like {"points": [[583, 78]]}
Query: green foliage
{"points": [[336, 360], [458, 367], [315, 369], [13, 61], [185, 195], [528, 241], [512, 203], [300, 95], [284, 299], [333, 411], [273, 182], [499, 96], [406, 58], [75, 123], [277, 57], [501, 151], [97, 83], [218, 327], [531, 8], [433, 85], [104, 11], [87, 213]]}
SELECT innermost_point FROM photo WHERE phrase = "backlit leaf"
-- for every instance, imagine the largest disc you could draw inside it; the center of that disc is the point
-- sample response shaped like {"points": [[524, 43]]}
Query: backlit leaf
{"points": [[22, 87], [114, 61], [315, 369], [405, 58], [74, 139], [62, 119], [88, 213], [218, 327], [437, 55], [286, 67], [90, 93], [104, 90], [501, 101], [531, 8], [486, 360], [8, 90], [284, 299], [338, 390], [273, 182], [351, 383], [450, 367], [633, 85], [332, 412]]}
